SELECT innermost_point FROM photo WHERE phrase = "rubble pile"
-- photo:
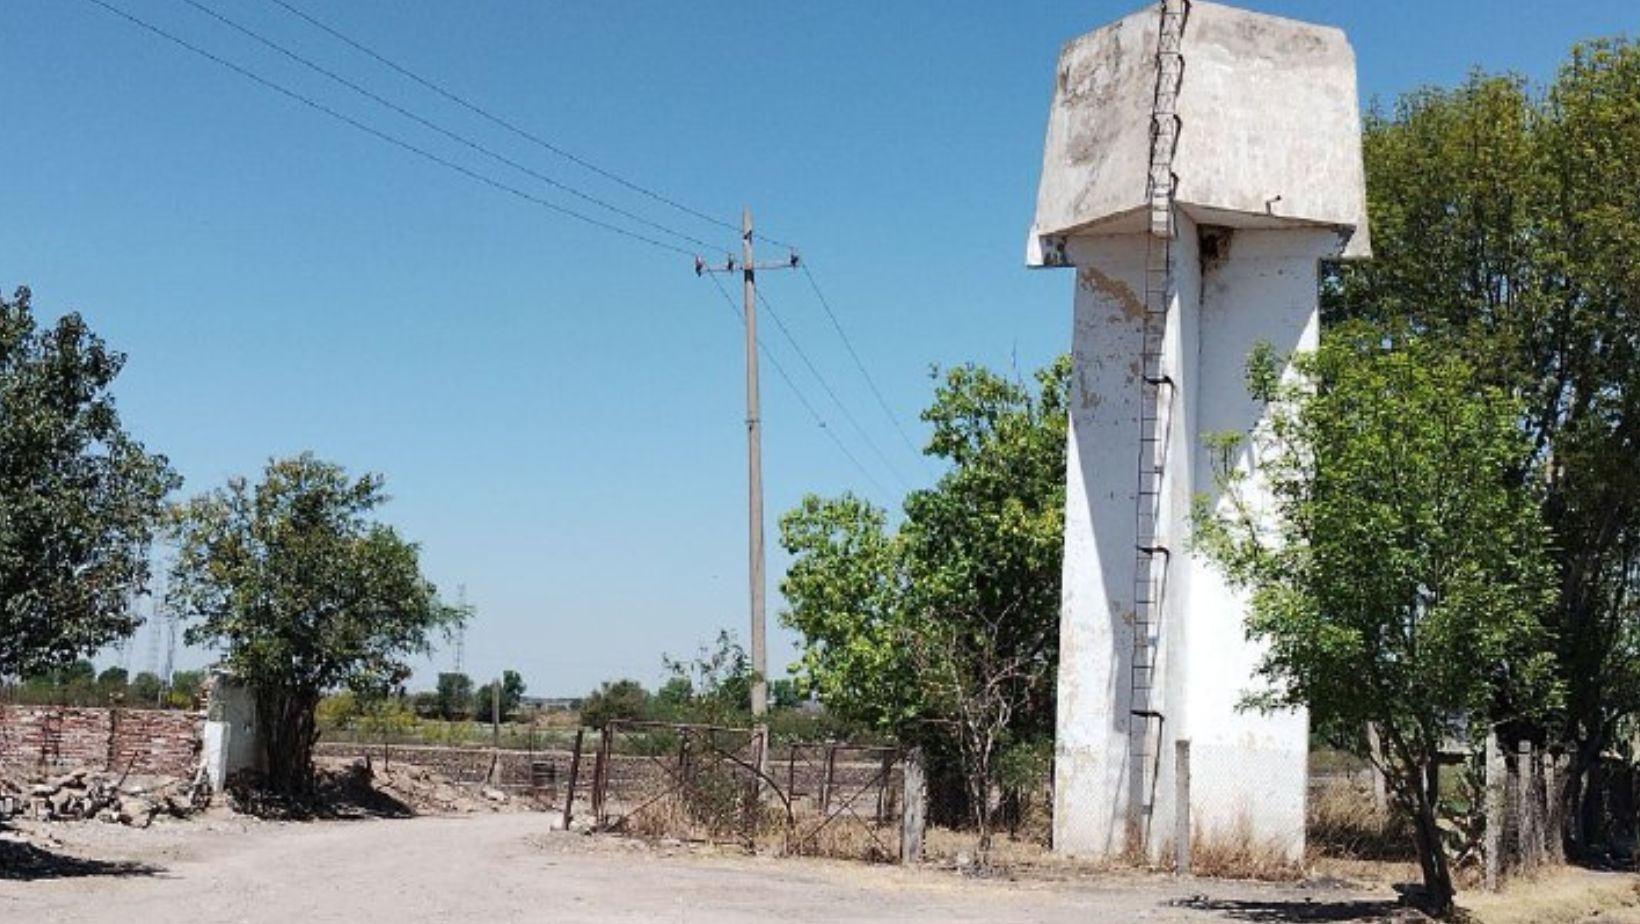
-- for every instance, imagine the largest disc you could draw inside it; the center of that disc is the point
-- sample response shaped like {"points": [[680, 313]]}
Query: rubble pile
{"points": [[427, 792], [81, 795]]}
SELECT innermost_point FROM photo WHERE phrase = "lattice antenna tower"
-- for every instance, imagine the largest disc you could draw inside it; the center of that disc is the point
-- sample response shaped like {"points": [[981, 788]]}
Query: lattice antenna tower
{"points": [[169, 621], [151, 663], [466, 612]]}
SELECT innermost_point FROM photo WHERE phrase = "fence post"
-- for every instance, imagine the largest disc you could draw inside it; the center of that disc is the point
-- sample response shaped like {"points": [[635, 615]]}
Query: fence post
{"points": [[825, 778], [1181, 806], [1380, 792], [760, 760], [1523, 805], [915, 803], [1554, 821], [574, 772], [882, 787], [1495, 802], [600, 777], [1539, 841], [791, 771]]}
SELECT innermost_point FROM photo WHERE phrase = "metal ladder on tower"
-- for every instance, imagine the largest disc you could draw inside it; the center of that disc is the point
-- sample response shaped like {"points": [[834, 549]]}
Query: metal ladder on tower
{"points": [[1155, 417]]}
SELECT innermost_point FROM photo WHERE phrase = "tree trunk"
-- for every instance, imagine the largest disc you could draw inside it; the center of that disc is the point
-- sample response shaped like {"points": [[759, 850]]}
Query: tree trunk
{"points": [[1427, 836], [288, 734], [1582, 795]]}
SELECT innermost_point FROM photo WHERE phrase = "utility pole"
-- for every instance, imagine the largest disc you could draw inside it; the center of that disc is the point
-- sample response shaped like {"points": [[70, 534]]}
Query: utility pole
{"points": [[754, 454]]}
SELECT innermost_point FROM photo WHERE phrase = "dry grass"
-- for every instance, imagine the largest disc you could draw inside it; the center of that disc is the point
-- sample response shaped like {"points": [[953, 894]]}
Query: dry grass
{"points": [[845, 837], [959, 848], [1558, 895], [1344, 823], [1238, 853]]}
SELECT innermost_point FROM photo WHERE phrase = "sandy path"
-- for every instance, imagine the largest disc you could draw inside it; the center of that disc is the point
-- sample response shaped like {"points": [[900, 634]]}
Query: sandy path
{"points": [[503, 868]]}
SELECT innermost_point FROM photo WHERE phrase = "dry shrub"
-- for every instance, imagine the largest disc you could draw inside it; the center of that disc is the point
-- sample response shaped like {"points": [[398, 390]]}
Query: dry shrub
{"points": [[1238, 853], [959, 848], [665, 817], [1345, 823], [844, 838]]}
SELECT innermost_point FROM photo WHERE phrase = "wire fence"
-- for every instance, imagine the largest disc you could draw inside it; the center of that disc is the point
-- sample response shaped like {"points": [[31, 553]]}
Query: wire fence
{"points": [[727, 785]]}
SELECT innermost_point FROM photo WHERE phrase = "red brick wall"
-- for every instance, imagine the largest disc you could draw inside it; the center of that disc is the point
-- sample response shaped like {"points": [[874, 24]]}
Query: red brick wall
{"points": [[57, 737]]}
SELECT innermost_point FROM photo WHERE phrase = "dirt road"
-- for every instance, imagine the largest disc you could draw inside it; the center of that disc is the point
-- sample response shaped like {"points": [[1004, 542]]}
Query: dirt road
{"points": [[503, 868]]}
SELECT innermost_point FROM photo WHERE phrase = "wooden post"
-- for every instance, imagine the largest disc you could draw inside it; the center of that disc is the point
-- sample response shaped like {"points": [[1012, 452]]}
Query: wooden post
{"points": [[1380, 793], [1554, 821], [1523, 805], [887, 774], [574, 774], [791, 771], [825, 779], [1539, 845], [915, 801], [1495, 807], [1181, 806], [600, 778]]}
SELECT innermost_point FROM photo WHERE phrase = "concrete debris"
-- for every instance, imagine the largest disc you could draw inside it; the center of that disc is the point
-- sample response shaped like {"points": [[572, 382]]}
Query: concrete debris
{"points": [[83, 795]]}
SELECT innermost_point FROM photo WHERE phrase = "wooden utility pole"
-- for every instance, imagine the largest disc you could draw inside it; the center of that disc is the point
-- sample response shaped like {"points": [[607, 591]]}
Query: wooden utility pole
{"points": [[754, 455]]}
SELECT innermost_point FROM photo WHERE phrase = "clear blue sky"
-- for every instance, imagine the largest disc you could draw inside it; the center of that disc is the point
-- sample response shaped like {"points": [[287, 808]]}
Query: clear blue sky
{"points": [[558, 410]]}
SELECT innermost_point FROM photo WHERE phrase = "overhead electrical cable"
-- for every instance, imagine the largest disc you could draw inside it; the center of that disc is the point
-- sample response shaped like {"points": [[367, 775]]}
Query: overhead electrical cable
{"points": [[826, 386], [802, 399], [433, 126], [507, 124], [858, 364], [384, 136]]}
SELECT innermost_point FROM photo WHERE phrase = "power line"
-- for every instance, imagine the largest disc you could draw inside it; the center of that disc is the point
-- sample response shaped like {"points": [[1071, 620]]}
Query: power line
{"points": [[429, 124], [384, 136], [826, 386], [876, 393], [506, 124], [802, 399]]}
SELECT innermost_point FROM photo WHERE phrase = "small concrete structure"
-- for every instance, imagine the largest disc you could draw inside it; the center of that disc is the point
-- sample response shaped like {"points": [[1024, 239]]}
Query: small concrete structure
{"points": [[1201, 161], [230, 741]]}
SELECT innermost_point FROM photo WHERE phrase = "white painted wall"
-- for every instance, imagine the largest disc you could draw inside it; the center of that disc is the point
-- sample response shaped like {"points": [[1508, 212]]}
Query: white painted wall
{"points": [[1248, 770], [230, 741], [1268, 108], [1095, 630]]}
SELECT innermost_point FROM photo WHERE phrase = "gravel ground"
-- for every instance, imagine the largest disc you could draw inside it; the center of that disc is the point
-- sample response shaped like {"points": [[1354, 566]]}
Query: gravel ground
{"points": [[509, 867]]}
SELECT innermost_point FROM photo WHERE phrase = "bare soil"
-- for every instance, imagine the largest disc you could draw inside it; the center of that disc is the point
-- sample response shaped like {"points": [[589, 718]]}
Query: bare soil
{"points": [[508, 867]]}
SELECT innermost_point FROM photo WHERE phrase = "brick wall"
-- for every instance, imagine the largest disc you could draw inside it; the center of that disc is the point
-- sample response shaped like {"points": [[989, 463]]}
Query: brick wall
{"points": [[58, 737], [466, 765]]}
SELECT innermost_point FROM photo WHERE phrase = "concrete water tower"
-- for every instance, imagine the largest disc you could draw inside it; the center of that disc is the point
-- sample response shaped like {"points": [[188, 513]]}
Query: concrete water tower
{"points": [[1201, 162]]}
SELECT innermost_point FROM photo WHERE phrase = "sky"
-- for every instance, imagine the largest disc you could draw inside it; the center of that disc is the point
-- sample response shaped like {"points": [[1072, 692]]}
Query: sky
{"points": [[559, 410]]}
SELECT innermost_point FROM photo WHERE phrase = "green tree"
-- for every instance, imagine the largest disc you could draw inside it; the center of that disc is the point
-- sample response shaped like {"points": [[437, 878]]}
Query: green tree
{"points": [[1505, 223], [1395, 563], [617, 701], [78, 673], [80, 499], [512, 694], [715, 687], [145, 689], [900, 628], [305, 593], [186, 684], [455, 696], [113, 680]]}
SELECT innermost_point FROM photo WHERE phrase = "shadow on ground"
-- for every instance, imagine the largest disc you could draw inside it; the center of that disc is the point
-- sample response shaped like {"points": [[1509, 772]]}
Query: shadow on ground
{"points": [[1305, 910], [25, 863], [338, 794]]}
